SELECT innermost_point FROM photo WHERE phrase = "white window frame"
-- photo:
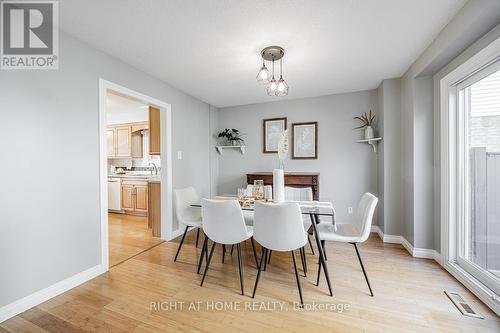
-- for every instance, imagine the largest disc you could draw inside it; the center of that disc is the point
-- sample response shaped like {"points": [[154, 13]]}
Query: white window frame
{"points": [[491, 282], [453, 186]]}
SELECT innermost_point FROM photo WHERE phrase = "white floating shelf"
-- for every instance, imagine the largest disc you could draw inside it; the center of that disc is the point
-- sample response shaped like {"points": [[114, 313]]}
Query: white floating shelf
{"points": [[373, 142], [220, 149]]}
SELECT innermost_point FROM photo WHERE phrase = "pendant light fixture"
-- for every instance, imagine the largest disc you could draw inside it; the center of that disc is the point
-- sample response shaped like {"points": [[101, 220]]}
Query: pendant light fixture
{"points": [[274, 88], [263, 75], [282, 86]]}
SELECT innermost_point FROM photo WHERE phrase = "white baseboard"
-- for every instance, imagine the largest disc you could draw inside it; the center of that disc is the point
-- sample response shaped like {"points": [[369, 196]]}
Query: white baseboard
{"points": [[376, 228], [25, 303], [415, 252]]}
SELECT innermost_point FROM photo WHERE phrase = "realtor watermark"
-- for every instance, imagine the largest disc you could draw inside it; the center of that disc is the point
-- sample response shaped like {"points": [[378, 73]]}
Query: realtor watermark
{"points": [[237, 306], [29, 34]]}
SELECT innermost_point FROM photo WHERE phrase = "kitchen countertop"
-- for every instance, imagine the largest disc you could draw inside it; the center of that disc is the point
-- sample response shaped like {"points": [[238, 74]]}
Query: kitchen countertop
{"points": [[149, 178]]}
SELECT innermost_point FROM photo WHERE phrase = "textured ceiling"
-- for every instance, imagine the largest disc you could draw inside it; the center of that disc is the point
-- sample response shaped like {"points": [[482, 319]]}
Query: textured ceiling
{"points": [[210, 48]]}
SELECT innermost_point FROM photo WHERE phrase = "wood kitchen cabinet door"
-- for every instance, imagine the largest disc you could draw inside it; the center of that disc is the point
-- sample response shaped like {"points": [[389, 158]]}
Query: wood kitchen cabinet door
{"points": [[127, 197], [141, 198], [137, 141], [123, 138], [110, 136], [154, 208], [154, 131]]}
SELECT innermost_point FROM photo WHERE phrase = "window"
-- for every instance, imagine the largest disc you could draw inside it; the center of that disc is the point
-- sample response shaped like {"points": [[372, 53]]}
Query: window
{"points": [[470, 173], [478, 229]]}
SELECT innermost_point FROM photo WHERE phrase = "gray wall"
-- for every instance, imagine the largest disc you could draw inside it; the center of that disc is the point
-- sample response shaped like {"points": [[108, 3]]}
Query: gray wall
{"points": [[381, 157], [347, 168], [214, 159], [423, 175], [389, 99], [49, 216]]}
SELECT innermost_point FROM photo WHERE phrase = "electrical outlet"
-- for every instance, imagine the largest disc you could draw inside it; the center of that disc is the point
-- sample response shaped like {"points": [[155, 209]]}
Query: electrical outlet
{"points": [[179, 155], [349, 210]]}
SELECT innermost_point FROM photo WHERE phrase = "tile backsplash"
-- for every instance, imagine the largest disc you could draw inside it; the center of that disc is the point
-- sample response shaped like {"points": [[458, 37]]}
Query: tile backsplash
{"points": [[134, 163]]}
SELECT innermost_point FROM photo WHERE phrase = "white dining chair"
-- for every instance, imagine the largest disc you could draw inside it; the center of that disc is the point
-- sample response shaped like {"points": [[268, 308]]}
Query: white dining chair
{"points": [[223, 224], [188, 216], [298, 193], [301, 194], [279, 227], [353, 233]]}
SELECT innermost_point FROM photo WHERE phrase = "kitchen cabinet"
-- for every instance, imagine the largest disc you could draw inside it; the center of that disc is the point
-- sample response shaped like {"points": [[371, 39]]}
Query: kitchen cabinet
{"points": [[119, 141], [127, 196], [134, 195], [141, 198], [137, 143], [154, 206], [123, 146], [110, 136], [154, 131]]}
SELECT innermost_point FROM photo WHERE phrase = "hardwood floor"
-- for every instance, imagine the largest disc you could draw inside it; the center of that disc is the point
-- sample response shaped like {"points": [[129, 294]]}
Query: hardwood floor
{"points": [[408, 296], [128, 236]]}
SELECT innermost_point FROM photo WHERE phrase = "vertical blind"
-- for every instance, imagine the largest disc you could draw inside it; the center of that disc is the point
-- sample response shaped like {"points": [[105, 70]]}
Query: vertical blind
{"points": [[485, 96]]}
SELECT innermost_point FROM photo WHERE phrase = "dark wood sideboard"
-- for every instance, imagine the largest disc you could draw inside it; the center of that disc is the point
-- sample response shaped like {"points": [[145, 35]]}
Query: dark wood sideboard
{"points": [[293, 179]]}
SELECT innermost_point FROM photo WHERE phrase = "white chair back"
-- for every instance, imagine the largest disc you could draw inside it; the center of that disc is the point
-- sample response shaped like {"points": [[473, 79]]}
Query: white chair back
{"points": [[223, 221], [184, 198], [279, 227], [364, 215], [298, 193]]}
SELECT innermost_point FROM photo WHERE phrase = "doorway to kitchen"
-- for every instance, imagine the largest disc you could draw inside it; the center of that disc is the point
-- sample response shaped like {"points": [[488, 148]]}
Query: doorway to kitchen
{"points": [[135, 167]]}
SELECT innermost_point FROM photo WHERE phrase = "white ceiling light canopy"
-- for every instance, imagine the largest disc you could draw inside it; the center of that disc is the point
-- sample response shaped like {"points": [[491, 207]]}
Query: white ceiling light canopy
{"points": [[274, 88]]}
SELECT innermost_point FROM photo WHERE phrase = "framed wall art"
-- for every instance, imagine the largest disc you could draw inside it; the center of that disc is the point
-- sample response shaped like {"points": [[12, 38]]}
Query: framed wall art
{"points": [[272, 129], [305, 140]]}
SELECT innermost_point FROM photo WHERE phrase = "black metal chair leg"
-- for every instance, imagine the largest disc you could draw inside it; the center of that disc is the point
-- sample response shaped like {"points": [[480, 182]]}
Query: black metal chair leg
{"points": [[269, 259], [182, 241], [203, 251], [265, 260], [261, 264], [223, 252], [197, 236], [254, 252], [232, 248], [363, 268], [310, 243], [322, 258], [240, 266], [208, 263], [303, 259], [323, 244], [297, 278], [319, 273]]}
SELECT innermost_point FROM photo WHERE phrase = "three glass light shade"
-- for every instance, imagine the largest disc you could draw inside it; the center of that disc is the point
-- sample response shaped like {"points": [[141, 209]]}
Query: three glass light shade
{"points": [[273, 87]]}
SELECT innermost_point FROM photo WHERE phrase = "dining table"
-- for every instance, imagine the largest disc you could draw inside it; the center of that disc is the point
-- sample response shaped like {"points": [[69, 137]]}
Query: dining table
{"points": [[313, 209]]}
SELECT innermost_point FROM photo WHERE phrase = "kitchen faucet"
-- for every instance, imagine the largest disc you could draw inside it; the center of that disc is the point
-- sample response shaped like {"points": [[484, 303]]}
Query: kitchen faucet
{"points": [[155, 168]]}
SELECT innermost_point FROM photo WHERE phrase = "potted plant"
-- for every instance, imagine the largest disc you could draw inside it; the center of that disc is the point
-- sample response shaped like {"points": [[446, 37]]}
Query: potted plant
{"points": [[232, 137], [366, 123]]}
